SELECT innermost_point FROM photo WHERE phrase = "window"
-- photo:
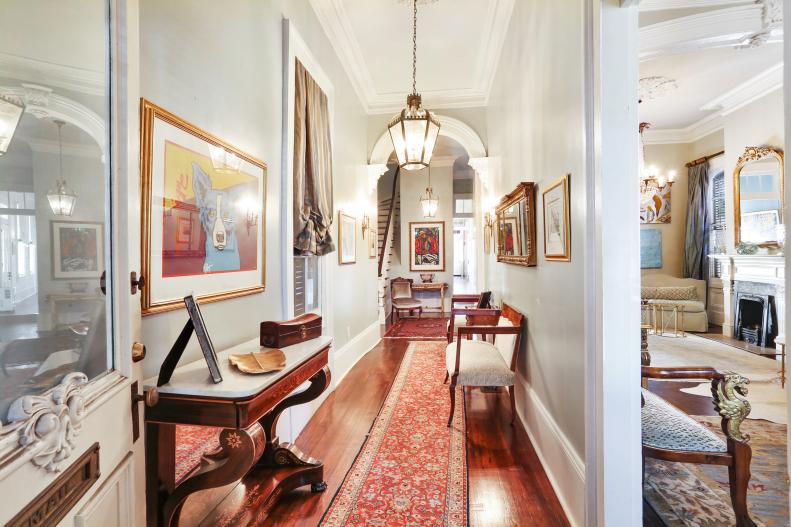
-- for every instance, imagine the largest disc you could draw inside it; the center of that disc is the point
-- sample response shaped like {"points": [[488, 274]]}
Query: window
{"points": [[306, 284], [718, 220], [464, 206]]}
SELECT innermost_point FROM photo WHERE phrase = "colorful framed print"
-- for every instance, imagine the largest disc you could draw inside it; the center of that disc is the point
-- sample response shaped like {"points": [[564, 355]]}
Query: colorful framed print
{"points": [[427, 247], [203, 214], [372, 248], [557, 221], [77, 249], [347, 234], [655, 206]]}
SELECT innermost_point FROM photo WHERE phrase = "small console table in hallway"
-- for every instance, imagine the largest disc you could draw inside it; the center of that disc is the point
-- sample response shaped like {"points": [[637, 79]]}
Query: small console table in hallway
{"points": [[246, 409], [433, 286]]}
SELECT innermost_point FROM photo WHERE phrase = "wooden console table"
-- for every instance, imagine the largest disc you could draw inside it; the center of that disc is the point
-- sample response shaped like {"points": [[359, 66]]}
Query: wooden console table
{"points": [[434, 286], [246, 408]]}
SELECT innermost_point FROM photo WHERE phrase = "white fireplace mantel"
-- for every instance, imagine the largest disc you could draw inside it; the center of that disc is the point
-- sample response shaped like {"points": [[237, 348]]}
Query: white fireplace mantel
{"points": [[762, 269]]}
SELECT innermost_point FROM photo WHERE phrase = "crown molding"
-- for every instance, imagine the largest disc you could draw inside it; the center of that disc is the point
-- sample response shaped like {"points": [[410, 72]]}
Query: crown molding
{"points": [[47, 146], [662, 5], [334, 20], [706, 126], [732, 26], [53, 75], [748, 92]]}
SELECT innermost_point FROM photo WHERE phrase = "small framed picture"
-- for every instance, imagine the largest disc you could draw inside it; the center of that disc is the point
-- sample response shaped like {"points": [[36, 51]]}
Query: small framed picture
{"points": [[347, 234], [427, 246], [206, 345], [372, 248], [77, 249], [557, 227]]}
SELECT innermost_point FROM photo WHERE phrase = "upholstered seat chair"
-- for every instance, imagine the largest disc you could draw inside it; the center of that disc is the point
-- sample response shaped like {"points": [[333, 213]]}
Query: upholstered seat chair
{"points": [[482, 363], [671, 435], [403, 299]]}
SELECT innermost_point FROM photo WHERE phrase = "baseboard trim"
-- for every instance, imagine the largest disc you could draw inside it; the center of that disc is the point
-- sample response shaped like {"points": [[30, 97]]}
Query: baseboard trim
{"points": [[563, 466], [344, 359]]}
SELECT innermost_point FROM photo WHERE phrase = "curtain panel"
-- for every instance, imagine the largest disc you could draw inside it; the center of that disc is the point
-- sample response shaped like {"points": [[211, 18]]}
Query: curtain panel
{"points": [[696, 242], [312, 168]]}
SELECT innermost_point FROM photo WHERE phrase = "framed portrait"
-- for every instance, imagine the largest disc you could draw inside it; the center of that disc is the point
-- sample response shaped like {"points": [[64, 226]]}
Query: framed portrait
{"points": [[372, 247], [203, 214], [557, 227], [347, 234], [427, 247], [77, 249]]}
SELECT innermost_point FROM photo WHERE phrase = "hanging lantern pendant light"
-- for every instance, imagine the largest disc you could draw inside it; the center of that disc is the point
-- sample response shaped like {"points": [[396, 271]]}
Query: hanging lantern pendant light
{"points": [[61, 199], [414, 131], [429, 202]]}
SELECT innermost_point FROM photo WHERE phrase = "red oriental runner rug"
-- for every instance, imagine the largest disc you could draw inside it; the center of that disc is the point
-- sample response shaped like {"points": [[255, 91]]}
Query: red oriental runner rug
{"points": [[419, 328], [412, 468]]}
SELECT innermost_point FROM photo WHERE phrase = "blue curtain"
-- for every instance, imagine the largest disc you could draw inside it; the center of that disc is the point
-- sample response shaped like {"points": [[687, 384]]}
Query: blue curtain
{"points": [[696, 243]]}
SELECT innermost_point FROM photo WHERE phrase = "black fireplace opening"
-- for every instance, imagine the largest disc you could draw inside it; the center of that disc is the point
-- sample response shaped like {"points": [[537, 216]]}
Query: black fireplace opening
{"points": [[756, 319]]}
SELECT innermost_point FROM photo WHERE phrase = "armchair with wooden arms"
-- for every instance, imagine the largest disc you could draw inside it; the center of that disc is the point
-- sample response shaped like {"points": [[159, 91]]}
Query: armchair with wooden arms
{"points": [[477, 311], [481, 363], [671, 435]]}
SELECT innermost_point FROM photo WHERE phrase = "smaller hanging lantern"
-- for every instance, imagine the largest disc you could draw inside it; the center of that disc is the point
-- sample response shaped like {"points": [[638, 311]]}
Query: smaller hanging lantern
{"points": [[429, 201], [61, 199]]}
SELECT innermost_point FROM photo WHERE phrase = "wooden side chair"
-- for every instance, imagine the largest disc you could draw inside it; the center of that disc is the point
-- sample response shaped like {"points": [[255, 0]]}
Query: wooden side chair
{"points": [[481, 363], [671, 435], [403, 299], [477, 311]]}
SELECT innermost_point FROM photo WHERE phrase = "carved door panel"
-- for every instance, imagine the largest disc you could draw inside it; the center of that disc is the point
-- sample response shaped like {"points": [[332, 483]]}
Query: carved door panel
{"points": [[67, 450]]}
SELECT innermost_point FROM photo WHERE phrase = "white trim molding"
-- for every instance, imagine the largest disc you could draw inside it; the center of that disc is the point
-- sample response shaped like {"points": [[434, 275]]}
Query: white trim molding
{"points": [[707, 125], [750, 91], [334, 20], [662, 5], [57, 75]]}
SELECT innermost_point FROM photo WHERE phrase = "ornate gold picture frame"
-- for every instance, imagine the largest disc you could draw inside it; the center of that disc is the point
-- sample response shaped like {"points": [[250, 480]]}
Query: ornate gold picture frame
{"points": [[203, 214], [557, 221]]}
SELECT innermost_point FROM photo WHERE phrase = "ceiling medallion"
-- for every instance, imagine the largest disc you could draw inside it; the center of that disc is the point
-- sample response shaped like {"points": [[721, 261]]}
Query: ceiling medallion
{"points": [[651, 88]]}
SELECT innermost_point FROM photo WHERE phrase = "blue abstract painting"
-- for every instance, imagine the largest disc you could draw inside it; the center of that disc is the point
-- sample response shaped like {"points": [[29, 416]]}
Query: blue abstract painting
{"points": [[650, 249]]}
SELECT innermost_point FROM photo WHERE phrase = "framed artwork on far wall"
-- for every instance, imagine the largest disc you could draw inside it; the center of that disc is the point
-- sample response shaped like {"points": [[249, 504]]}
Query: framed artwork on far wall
{"points": [[372, 248], [347, 235], [557, 221], [427, 246], [650, 249], [77, 249], [203, 214]]}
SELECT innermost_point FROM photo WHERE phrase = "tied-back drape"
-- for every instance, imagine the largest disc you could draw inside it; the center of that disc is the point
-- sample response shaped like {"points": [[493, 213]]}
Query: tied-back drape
{"points": [[696, 243], [312, 168]]}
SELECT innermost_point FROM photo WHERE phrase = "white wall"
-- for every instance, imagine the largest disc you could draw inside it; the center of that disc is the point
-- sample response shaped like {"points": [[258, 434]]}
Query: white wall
{"points": [[536, 131], [224, 74], [413, 185]]}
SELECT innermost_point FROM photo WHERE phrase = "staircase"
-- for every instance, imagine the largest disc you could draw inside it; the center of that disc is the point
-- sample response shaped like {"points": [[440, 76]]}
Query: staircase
{"points": [[389, 218]]}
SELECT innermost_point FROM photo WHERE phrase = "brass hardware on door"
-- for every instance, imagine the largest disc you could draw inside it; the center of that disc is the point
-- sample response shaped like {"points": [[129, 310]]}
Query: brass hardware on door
{"points": [[150, 397], [103, 283], [138, 351], [136, 283]]}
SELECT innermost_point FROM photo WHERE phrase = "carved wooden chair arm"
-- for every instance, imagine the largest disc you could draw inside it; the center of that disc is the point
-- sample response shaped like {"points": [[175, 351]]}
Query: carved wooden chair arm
{"points": [[729, 392], [472, 311], [464, 299], [680, 372]]}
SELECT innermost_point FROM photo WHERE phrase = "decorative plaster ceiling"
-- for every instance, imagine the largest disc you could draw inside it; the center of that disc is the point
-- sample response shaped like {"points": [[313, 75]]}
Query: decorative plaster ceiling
{"points": [[722, 58], [458, 47]]}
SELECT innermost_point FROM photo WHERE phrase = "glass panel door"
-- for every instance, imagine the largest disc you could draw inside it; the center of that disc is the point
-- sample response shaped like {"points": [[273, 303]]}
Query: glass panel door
{"points": [[55, 317]]}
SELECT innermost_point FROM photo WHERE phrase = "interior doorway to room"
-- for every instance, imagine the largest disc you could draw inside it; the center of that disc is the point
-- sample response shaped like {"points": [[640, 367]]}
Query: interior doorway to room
{"points": [[463, 256]]}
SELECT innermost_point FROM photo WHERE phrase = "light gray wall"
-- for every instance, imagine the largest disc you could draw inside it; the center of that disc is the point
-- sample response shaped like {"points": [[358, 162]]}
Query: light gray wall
{"points": [[536, 131], [225, 75]]}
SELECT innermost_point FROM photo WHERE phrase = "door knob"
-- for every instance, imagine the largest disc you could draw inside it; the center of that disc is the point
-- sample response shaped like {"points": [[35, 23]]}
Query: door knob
{"points": [[150, 397]]}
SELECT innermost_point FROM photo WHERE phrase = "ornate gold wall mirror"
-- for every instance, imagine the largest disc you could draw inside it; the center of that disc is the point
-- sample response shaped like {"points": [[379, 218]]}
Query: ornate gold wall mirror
{"points": [[758, 196], [516, 226]]}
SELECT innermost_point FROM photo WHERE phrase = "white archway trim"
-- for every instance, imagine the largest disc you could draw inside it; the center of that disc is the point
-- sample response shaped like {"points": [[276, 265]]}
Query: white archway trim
{"points": [[449, 127]]}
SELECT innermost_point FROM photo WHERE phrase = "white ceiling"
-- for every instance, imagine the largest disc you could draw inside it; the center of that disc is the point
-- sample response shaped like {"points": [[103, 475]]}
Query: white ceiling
{"points": [[458, 42], [722, 54]]}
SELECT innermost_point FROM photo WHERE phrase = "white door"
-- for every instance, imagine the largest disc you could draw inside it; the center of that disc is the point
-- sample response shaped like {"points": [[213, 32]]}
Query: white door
{"points": [[68, 142]]}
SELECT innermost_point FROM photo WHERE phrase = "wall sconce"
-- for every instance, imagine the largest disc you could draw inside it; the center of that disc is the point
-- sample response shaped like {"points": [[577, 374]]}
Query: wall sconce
{"points": [[247, 206], [366, 223], [488, 219]]}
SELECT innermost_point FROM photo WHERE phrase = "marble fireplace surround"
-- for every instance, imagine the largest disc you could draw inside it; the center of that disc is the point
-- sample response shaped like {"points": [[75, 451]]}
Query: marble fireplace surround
{"points": [[758, 269]]}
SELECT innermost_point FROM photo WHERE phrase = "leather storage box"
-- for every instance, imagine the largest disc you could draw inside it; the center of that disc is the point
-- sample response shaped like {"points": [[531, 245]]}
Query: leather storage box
{"points": [[289, 332]]}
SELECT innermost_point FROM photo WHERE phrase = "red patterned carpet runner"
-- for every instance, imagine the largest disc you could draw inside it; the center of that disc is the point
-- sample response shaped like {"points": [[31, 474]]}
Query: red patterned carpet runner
{"points": [[412, 469], [419, 328]]}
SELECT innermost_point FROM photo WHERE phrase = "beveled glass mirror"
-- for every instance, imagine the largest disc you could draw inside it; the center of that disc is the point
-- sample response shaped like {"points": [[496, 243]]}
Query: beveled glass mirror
{"points": [[516, 226], [758, 196]]}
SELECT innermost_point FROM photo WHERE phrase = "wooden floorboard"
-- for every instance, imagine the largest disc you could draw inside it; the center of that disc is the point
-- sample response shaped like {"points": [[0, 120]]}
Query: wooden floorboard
{"points": [[507, 484]]}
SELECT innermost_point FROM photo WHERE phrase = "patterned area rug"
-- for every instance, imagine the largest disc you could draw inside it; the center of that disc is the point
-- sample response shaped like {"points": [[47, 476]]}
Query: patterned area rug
{"points": [[412, 469], [419, 328], [191, 443], [686, 495]]}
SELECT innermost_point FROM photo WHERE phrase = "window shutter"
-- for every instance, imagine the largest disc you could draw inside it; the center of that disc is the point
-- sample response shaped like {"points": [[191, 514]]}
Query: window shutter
{"points": [[299, 286]]}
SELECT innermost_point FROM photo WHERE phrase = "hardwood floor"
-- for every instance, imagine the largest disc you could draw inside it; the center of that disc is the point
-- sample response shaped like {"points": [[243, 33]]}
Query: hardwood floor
{"points": [[507, 484]]}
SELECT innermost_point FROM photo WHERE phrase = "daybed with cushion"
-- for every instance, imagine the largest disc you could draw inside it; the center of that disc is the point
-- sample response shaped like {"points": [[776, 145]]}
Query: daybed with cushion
{"points": [[481, 363], [671, 435], [662, 289]]}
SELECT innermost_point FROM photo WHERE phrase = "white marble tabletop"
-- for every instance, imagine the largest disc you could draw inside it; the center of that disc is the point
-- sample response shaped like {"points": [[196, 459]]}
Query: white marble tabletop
{"points": [[193, 378]]}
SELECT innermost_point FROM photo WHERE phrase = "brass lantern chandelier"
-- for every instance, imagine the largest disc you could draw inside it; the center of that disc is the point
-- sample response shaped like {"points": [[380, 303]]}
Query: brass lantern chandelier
{"points": [[429, 201], [414, 131]]}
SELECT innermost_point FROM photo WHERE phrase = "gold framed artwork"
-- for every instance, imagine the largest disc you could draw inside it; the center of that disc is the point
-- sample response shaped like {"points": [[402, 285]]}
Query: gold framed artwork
{"points": [[372, 248], [427, 246], [516, 226], [347, 235], [203, 214], [557, 221]]}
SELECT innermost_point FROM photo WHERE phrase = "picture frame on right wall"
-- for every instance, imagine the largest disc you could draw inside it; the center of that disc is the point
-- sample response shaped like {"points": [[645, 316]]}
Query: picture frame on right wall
{"points": [[557, 221]]}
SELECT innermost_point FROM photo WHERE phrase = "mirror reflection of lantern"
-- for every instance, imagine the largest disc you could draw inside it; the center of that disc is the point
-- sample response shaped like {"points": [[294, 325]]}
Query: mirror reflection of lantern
{"points": [[247, 206]]}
